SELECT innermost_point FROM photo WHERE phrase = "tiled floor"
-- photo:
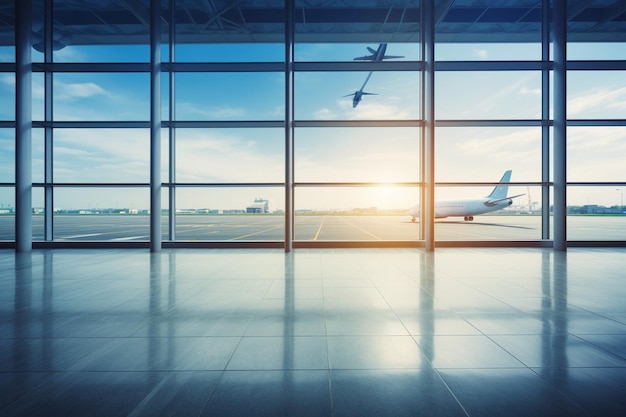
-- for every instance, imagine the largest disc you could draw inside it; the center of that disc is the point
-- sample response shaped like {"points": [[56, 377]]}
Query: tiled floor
{"points": [[344, 332]]}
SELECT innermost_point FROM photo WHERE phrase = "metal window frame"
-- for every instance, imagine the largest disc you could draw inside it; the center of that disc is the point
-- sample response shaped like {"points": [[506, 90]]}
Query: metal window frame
{"points": [[554, 130]]}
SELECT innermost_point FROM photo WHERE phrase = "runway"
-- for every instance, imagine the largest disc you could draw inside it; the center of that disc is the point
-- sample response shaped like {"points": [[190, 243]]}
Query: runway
{"points": [[255, 227]]}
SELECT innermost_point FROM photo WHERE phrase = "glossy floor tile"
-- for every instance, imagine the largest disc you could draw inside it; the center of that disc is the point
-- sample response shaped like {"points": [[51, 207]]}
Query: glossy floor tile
{"points": [[328, 332]]}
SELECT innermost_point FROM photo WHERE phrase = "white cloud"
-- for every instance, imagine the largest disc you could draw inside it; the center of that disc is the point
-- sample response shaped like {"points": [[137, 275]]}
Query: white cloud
{"points": [[97, 155], [480, 53], [597, 99], [193, 111], [324, 114], [70, 91], [524, 91], [7, 79], [204, 155]]}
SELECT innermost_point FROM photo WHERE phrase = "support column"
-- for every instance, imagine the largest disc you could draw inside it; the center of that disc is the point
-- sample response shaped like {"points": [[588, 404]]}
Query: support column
{"points": [[155, 125], [23, 127], [171, 218], [289, 45], [559, 38], [428, 130], [545, 117], [48, 132]]}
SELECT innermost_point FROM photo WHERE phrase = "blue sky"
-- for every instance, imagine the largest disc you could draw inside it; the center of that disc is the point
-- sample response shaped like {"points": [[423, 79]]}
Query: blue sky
{"points": [[328, 154]]}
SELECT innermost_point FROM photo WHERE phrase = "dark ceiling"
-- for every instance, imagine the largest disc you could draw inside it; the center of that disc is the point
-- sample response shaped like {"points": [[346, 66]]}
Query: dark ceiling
{"points": [[210, 21]]}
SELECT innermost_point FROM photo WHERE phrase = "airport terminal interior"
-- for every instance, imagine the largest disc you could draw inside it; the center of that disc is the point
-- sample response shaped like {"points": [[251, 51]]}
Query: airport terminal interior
{"points": [[312, 208]]}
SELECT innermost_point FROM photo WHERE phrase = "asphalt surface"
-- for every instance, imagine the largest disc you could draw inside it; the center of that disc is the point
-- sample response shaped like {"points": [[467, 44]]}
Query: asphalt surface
{"points": [[313, 228]]}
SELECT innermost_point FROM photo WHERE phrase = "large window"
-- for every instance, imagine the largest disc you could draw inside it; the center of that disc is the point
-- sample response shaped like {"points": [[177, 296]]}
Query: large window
{"points": [[316, 123]]}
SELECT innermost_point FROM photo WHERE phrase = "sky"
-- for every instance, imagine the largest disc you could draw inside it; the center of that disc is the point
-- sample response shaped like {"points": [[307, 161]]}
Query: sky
{"points": [[238, 155]]}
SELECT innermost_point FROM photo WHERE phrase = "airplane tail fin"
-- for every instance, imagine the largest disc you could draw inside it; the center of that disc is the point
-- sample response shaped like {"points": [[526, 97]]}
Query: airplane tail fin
{"points": [[500, 191]]}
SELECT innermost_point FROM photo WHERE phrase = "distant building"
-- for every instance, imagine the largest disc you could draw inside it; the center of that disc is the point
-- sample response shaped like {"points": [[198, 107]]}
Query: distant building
{"points": [[261, 205]]}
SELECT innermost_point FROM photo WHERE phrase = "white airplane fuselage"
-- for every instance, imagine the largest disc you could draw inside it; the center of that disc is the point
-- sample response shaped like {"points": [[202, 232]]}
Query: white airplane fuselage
{"points": [[468, 208], [462, 208]]}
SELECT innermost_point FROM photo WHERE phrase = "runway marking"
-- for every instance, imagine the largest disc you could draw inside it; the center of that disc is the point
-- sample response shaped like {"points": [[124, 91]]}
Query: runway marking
{"points": [[255, 233], [79, 236], [319, 229], [362, 230], [130, 238]]}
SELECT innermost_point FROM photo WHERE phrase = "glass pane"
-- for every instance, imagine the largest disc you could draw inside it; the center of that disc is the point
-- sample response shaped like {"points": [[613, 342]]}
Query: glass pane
{"points": [[596, 213], [488, 51], [38, 158], [230, 155], [7, 96], [479, 213], [38, 213], [230, 214], [165, 210], [355, 213], [101, 214], [596, 94], [102, 155], [331, 95], [101, 96], [165, 155], [7, 53], [483, 154], [595, 199], [357, 154], [114, 52], [38, 95], [488, 95], [596, 50], [230, 96], [230, 52], [7, 155], [596, 153], [92, 31], [372, 51], [7, 213]]}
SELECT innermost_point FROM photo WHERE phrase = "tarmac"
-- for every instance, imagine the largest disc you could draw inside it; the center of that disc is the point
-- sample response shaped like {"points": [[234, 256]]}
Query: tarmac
{"points": [[260, 227]]}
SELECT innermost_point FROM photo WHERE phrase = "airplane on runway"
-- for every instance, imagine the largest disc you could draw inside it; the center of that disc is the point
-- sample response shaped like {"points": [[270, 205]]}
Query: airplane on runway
{"points": [[469, 208], [377, 56]]}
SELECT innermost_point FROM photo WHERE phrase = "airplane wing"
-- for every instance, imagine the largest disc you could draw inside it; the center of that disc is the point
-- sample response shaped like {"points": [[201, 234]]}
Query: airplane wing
{"points": [[371, 57], [502, 199]]}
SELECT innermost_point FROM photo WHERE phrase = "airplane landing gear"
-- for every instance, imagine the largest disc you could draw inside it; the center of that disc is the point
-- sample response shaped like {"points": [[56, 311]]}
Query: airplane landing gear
{"points": [[468, 218]]}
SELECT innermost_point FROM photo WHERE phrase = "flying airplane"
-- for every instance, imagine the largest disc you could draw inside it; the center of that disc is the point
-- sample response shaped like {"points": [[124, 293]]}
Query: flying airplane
{"points": [[377, 55], [358, 95], [469, 208]]}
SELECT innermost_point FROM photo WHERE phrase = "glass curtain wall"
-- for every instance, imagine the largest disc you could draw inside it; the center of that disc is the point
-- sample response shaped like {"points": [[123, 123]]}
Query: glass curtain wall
{"points": [[7, 125], [298, 123], [490, 108], [357, 117]]}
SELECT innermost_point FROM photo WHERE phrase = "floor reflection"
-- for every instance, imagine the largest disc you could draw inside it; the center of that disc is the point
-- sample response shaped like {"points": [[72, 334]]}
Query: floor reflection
{"points": [[313, 332]]}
